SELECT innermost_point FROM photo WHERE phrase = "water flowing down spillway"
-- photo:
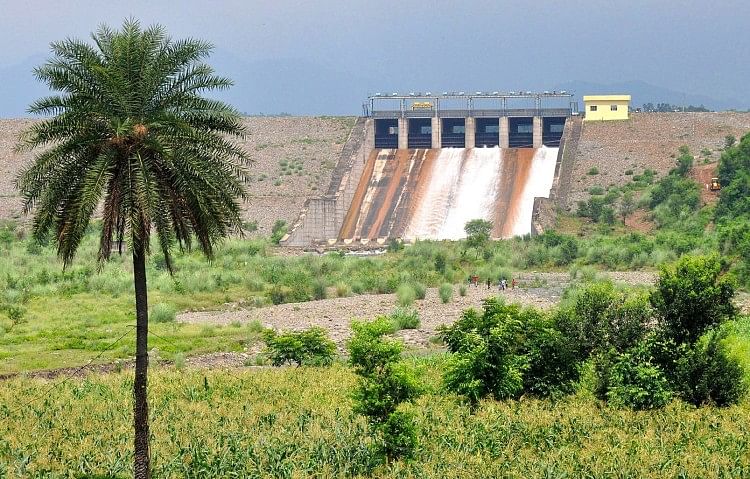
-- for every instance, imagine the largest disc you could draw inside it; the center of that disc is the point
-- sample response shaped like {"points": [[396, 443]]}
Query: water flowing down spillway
{"points": [[431, 194]]}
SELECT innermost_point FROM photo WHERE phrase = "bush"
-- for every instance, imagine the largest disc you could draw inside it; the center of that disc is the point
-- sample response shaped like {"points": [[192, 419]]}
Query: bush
{"points": [[692, 296], [162, 313], [420, 290], [593, 171], [319, 290], [405, 318], [707, 374], [553, 359], [485, 360], [446, 292], [279, 229], [635, 383], [405, 295], [342, 290], [310, 347], [383, 385], [462, 290]]}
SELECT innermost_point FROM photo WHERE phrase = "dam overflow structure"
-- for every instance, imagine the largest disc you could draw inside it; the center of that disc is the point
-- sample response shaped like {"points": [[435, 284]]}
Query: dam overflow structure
{"points": [[425, 164]]}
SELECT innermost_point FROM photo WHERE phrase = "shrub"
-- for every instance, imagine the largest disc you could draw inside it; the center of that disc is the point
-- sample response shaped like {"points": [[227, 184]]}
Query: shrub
{"points": [[692, 296], [405, 318], [485, 360], [310, 347], [342, 290], [596, 190], [420, 290], [553, 359], [279, 229], [319, 290], [440, 262], [462, 290], [162, 313], [405, 295], [593, 171], [446, 292], [636, 383], [707, 374], [395, 245], [384, 383]]}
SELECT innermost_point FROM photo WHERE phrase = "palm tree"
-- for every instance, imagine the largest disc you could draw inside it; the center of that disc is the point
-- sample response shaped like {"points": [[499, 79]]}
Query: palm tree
{"points": [[130, 132]]}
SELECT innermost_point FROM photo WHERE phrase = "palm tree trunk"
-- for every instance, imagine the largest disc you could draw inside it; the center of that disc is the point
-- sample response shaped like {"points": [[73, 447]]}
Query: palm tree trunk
{"points": [[141, 468]]}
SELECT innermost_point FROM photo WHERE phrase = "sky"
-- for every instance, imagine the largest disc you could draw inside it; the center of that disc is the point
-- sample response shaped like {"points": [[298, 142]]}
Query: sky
{"points": [[326, 56]]}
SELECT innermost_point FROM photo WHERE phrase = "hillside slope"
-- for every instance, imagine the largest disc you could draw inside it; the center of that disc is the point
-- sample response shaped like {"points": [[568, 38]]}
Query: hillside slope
{"points": [[647, 140], [293, 158]]}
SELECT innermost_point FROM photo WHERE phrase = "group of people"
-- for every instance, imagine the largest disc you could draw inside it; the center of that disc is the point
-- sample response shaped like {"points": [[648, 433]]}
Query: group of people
{"points": [[502, 283]]}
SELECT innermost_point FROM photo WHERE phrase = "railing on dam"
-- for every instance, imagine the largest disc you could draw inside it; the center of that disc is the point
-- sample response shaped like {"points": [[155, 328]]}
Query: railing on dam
{"points": [[477, 113]]}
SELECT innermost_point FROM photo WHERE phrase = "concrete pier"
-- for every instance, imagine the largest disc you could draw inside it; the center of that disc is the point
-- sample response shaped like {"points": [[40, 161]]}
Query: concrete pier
{"points": [[436, 140], [470, 130], [403, 133], [504, 132], [537, 132]]}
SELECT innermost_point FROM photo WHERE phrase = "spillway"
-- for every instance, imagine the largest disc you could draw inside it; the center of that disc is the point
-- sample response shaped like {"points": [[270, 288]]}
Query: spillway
{"points": [[431, 194]]}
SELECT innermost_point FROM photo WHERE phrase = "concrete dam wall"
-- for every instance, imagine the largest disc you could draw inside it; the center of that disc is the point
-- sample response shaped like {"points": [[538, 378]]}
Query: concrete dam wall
{"points": [[432, 193]]}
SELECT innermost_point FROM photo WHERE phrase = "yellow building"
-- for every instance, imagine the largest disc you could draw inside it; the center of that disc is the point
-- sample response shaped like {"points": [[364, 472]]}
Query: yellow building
{"points": [[606, 107]]}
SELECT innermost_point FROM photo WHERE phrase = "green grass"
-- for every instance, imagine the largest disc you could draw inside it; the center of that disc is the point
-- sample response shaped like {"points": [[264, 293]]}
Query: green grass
{"points": [[71, 315], [298, 422]]}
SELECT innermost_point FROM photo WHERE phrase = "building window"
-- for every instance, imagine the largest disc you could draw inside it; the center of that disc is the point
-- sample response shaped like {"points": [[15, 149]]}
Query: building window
{"points": [[556, 128], [613, 107], [593, 107]]}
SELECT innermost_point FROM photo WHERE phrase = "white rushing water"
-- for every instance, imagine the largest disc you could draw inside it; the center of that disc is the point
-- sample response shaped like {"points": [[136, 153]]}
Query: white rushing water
{"points": [[464, 185], [540, 181]]}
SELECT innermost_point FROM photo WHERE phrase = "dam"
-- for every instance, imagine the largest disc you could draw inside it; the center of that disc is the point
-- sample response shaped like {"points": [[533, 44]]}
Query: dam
{"points": [[423, 165]]}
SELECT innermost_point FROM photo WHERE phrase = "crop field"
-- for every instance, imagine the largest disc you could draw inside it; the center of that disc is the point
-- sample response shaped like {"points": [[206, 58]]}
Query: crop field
{"points": [[298, 422]]}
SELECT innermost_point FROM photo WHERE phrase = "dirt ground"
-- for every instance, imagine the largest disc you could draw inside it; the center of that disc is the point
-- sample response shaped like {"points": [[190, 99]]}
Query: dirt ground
{"points": [[542, 290]]}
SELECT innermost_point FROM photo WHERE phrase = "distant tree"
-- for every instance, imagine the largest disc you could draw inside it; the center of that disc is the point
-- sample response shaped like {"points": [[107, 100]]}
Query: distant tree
{"points": [[627, 205], [729, 141], [130, 132], [477, 234]]}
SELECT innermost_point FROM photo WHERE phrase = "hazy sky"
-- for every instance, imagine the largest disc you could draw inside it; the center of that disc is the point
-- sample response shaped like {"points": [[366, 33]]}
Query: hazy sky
{"points": [[327, 55]]}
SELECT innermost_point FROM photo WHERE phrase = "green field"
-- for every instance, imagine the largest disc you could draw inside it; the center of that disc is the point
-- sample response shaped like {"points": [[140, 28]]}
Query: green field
{"points": [[298, 422]]}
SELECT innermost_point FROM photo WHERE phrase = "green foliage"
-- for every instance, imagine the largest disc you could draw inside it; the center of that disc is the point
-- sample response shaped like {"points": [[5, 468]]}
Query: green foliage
{"points": [[405, 295], [384, 384], [708, 374], [395, 245], [485, 360], [279, 229], [121, 110], [162, 313], [420, 290], [462, 290], [310, 347], [635, 383], [693, 296], [405, 318], [598, 317], [319, 290], [446, 292], [684, 162], [477, 234], [593, 171]]}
